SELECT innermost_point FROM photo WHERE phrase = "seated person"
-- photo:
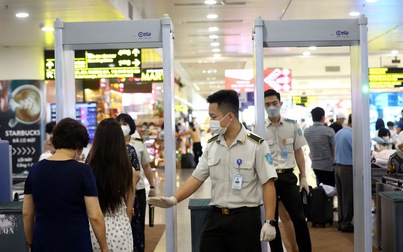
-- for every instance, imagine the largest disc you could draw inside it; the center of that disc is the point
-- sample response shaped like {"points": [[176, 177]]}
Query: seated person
{"points": [[383, 140]]}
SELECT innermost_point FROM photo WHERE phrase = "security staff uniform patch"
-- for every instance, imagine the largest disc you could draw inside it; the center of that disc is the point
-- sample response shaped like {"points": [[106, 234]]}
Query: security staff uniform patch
{"points": [[299, 132], [268, 158]]}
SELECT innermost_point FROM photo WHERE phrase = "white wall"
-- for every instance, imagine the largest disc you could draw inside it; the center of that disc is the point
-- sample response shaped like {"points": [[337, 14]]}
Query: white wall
{"points": [[18, 63]]}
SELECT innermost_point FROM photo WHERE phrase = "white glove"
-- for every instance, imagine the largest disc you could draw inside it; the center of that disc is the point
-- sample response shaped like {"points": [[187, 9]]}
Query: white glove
{"points": [[152, 192], [164, 202], [304, 184], [267, 233]]}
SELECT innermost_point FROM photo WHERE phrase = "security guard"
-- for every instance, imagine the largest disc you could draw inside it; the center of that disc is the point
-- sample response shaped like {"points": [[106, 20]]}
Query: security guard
{"points": [[242, 179], [285, 139]]}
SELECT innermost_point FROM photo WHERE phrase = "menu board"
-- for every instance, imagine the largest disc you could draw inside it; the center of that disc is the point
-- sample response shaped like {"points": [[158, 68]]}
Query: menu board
{"points": [[86, 113], [98, 64], [382, 77]]}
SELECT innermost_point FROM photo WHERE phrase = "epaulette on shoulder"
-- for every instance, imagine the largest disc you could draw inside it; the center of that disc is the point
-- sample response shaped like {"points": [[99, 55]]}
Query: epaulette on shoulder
{"points": [[139, 139], [255, 138], [212, 139], [290, 120]]}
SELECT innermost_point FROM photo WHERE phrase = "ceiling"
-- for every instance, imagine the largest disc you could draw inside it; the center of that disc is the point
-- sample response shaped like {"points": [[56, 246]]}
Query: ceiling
{"points": [[195, 64]]}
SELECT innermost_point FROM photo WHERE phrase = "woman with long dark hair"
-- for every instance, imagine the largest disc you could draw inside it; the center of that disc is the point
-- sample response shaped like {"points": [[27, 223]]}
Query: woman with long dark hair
{"points": [[116, 181]]}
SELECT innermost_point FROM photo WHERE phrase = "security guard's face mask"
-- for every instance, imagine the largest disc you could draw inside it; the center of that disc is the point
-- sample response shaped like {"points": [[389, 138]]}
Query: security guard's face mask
{"points": [[216, 128]]}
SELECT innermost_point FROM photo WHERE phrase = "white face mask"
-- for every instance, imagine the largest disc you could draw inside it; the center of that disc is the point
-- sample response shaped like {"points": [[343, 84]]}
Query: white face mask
{"points": [[216, 127], [272, 111], [386, 138], [125, 129]]}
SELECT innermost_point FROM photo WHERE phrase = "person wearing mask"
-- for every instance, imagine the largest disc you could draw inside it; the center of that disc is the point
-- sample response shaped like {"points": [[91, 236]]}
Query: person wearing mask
{"points": [[320, 140], [242, 179], [344, 176], [48, 149], [138, 221], [383, 140], [61, 196], [285, 139], [194, 133], [129, 127], [338, 124], [116, 181]]}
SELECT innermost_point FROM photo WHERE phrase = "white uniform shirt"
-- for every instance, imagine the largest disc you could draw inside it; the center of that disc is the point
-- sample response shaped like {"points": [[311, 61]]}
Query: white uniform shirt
{"points": [[221, 163], [283, 140], [142, 154]]}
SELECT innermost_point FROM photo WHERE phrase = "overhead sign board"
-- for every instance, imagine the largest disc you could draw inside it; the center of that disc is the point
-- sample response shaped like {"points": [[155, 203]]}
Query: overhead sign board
{"points": [[305, 101], [152, 74], [98, 64], [382, 77]]}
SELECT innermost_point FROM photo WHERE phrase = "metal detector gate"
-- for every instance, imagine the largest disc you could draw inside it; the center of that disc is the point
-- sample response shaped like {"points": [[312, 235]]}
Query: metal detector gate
{"points": [[115, 35], [327, 33]]}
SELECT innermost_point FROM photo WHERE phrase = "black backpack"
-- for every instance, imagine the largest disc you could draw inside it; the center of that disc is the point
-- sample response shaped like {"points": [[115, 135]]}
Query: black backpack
{"points": [[395, 163]]}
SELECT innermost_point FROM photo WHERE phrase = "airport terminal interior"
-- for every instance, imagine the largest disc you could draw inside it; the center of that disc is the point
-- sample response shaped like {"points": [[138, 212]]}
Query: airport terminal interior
{"points": [[344, 57]]}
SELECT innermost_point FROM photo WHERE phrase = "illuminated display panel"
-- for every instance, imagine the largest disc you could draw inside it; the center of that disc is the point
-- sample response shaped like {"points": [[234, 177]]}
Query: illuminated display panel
{"points": [[382, 77], [98, 64], [305, 101], [86, 113]]}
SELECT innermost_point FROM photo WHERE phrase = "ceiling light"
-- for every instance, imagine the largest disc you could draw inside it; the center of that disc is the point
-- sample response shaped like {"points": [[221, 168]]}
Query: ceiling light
{"points": [[217, 55], [210, 2], [354, 14], [394, 52], [213, 29], [215, 44], [213, 36], [212, 16], [312, 48], [306, 53], [47, 28], [216, 50], [22, 15]]}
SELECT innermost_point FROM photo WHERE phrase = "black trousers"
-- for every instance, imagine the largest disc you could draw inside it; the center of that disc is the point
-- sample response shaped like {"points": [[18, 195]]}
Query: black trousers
{"points": [[325, 177], [197, 151], [138, 221], [231, 233], [288, 192]]}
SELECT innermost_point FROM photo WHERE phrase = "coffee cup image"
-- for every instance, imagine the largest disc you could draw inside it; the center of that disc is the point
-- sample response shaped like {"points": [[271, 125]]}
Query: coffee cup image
{"points": [[27, 104]]}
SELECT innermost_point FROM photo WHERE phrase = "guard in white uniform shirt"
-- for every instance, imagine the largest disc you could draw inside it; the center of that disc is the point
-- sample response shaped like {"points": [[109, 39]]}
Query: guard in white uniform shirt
{"points": [[242, 179], [285, 140]]}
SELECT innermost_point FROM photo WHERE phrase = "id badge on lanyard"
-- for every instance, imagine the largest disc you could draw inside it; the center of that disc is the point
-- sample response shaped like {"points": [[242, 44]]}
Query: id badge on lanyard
{"points": [[237, 179]]}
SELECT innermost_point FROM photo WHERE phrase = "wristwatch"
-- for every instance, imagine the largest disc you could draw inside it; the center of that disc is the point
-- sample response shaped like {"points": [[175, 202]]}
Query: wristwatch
{"points": [[271, 222]]}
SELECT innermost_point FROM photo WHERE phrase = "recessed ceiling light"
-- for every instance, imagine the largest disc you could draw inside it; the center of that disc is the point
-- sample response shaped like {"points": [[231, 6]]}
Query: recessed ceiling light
{"points": [[394, 52], [217, 55], [212, 16], [47, 28], [210, 2], [354, 13], [213, 29], [22, 15], [306, 53], [213, 36], [313, 48], [215, 44], [216, 50]]}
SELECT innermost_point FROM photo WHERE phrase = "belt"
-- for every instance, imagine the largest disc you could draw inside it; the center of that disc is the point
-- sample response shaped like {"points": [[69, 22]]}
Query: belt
{"points": [[344, 165], [228, 211], [284, 170]]}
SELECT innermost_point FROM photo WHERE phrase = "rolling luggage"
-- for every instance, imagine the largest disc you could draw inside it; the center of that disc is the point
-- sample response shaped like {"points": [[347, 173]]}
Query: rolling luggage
{"points": [[320, 208], [188, 161]]}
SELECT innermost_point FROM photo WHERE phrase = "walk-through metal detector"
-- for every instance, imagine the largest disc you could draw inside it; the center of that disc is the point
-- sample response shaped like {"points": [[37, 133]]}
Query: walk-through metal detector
{"points": [[153, 33], [327, 33]]}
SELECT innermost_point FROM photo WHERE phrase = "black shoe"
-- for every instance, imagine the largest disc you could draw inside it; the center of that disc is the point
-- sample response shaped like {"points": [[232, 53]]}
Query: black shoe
{"points": [[348, 229]]}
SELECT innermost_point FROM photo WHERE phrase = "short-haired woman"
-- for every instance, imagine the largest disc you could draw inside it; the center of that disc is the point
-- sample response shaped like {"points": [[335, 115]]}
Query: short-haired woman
{"points": [[61, 195]]}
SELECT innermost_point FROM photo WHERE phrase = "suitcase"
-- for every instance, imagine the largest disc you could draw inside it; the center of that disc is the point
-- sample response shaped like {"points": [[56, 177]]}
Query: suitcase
{"points": [[188, 161], [320, 208]]}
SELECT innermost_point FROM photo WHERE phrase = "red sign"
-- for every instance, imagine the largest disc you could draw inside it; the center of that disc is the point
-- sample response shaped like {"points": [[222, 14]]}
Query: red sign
{"points": [[277, 79]]}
